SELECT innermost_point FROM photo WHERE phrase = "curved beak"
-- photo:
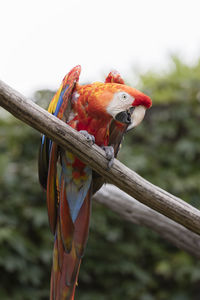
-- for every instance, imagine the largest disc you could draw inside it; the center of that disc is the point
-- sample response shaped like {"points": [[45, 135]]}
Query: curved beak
{"points": [[137, 116]]}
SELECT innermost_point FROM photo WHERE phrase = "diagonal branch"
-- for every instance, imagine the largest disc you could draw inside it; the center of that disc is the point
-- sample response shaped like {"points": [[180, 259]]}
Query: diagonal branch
{"points": [[124, 178], [135, 212]]}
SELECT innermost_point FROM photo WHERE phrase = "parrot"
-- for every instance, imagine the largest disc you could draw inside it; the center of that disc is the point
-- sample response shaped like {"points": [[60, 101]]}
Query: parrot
{"points": [[103, 112]]}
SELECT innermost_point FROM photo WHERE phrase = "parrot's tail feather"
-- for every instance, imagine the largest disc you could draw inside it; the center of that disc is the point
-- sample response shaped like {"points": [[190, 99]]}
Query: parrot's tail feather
{"points": [[67, 226], [64, 272], [66, 262], [52, 191]]}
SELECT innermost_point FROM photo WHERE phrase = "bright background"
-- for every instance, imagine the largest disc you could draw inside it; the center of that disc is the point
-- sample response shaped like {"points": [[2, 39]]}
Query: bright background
{"points": [[42, 40]]}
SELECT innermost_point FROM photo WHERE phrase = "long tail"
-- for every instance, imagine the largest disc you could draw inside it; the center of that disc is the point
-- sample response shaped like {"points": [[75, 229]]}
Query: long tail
{"points": [[70, 241]]}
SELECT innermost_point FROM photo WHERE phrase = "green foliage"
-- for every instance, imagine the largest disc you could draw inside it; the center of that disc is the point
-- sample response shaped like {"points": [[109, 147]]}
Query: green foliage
{"points": [[122, 260], [180, 84], [165, 147], [26, 246]]}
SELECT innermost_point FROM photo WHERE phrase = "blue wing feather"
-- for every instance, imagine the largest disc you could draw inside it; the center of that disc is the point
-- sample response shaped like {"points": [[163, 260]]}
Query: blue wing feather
{"points": [[60, 100], [76, 190], [76, 196]]}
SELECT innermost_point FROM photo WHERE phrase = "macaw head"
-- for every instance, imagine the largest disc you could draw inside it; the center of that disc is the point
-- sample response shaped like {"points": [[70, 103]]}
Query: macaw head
{"points": [[120, 102], [128, 106]]}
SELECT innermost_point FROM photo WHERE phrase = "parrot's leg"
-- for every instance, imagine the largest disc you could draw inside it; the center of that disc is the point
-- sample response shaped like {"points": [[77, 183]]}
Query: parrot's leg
{"points": [[110, 155], [90, 138]]}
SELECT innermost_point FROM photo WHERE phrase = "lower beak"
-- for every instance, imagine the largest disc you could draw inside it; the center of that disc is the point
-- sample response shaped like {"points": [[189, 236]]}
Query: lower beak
{"points": [[125, 116]]}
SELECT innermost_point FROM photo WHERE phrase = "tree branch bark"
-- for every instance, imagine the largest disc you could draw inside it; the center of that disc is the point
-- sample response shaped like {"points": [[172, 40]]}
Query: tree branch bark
{"points": [[126, 179], [133, 211]]}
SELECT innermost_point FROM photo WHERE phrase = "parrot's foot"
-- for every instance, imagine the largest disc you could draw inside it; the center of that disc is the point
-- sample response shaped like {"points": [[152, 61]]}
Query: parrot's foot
{"points": [[90, 138], [109, 150]]}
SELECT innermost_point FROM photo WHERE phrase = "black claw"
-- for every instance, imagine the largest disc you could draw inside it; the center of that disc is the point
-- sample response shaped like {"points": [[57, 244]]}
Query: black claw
{"points": [[90, 138], [109, 150]]}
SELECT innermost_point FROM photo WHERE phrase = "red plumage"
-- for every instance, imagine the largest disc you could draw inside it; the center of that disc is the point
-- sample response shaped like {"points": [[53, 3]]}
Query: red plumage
{"points": [[103, 110]]}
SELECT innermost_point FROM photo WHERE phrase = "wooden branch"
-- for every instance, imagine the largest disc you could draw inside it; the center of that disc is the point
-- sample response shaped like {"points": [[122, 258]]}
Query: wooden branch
{"points": [[121, 176], [133, 211]]}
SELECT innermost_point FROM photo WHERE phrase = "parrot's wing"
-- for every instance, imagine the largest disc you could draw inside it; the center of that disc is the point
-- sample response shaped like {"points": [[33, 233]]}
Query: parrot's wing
{"points": [[68, 198], [60, 106]]}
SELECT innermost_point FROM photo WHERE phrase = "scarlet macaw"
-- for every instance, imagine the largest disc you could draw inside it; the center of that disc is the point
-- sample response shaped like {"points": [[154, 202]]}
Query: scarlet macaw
{"points": [[102, 112]]}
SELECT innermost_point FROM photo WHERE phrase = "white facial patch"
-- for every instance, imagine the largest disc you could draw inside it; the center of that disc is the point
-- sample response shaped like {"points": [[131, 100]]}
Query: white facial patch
{"points": [[137, 116], [120, 102]]}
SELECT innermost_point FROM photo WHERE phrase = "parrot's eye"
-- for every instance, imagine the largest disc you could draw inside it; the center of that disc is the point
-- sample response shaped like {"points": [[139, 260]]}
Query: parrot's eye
{"points": [[124, 97]]}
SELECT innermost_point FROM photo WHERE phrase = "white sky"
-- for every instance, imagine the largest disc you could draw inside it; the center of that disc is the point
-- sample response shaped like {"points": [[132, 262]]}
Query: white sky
{"points": [[41, 40]]}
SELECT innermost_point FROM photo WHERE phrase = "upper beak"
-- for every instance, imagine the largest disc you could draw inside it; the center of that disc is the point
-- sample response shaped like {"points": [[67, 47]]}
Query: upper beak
{"points": [[137, 116], [132, 117]]}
